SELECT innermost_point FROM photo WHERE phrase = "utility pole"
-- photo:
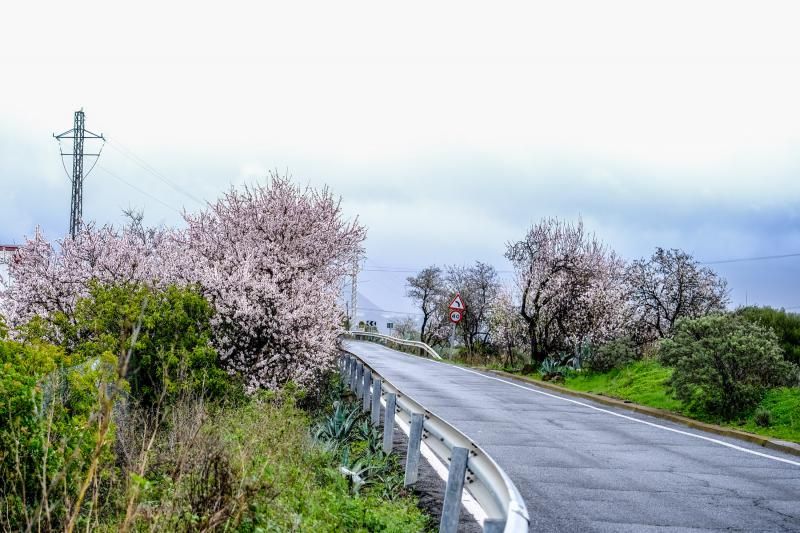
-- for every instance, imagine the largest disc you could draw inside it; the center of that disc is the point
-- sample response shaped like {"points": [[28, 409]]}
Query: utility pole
{"points": [[354, 295], [78, 134]]}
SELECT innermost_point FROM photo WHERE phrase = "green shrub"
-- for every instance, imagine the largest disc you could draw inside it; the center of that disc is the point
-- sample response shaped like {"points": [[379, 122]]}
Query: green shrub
{"points": [[613, 354], [763, 417], [172, 354], [723, 364], [785, 325], [49, 431]]}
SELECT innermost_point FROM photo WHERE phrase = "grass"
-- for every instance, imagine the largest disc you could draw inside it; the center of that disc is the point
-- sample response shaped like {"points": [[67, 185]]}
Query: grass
{"points": [[784, 406], [641, 382], [307, 491]]}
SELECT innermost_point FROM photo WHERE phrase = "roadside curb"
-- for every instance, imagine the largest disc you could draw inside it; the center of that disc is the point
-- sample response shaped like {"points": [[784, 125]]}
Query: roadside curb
{"points": [[766, 442]]}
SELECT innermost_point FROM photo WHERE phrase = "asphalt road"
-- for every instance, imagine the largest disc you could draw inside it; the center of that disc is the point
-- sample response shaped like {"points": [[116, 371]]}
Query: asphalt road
{"points": [[582, 466]]}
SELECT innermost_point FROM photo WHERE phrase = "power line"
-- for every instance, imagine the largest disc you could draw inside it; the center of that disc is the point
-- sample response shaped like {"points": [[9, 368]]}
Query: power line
{"points": [[128, 153], [743, 259], [407, 270], [410, 271], [389, 311], [132, 186]]}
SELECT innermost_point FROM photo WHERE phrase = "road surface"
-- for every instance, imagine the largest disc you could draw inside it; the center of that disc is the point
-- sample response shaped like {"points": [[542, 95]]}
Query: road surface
{"points": [[582, 466]]}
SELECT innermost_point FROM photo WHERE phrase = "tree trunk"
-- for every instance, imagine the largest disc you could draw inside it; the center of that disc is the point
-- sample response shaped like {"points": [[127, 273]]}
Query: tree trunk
{"points": [[537, 350]]}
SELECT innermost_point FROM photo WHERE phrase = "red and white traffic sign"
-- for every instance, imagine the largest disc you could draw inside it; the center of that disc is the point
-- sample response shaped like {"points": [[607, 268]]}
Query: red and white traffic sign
{"points": [[457, 304], [455, 317]]}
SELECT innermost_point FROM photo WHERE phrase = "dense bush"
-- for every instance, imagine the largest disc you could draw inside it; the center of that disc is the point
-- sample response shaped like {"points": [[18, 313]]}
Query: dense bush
{"points": [[785, 325], [53, 431], [172, 354], [613, 354], [65, 406], [724, 364]]}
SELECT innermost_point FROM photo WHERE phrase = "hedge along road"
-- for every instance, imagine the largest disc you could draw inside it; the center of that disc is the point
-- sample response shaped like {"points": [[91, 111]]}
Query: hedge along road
{"points": [[583, 466]]}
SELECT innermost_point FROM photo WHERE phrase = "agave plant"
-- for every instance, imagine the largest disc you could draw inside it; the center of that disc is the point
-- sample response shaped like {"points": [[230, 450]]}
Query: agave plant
{"points": [[552, 368], [339, 425], [366, 469], [372, 435], [391, 484]]}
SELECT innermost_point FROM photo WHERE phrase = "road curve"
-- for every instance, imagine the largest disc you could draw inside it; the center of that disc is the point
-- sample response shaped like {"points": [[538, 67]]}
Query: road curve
{"points": [[582, 466]]}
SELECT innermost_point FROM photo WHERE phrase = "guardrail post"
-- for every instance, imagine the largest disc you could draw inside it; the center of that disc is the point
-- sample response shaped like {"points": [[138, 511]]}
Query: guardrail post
{"points": [[351, 368], [376, 402], [494, 525], [388, 422], [452, 494], [365, 391], [414, 441], [359, 379], [351, 373]]}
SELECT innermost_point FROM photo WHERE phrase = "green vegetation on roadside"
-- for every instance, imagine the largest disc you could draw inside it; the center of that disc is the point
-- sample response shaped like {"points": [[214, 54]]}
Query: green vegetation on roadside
{"points": [[118, 417], [783, 404], [641, 382]]}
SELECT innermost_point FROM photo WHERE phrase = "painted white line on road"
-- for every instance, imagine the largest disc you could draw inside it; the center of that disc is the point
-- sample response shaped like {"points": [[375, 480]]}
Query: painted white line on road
{"points": [[607, 411], [442, 470], [639, 420]]}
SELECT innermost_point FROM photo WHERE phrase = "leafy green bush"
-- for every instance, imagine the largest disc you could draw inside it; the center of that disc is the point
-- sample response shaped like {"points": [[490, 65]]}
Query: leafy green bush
{"points": [[613, 354], [785, 325], [190, 452], [172, 354], [723, 364]]}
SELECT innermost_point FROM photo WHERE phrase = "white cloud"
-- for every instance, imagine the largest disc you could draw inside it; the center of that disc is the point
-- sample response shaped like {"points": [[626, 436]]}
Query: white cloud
{"points": [[641, 116]]}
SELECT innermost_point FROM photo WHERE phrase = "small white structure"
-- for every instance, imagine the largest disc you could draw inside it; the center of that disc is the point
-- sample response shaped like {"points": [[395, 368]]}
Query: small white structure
{"points": [[6, 254]]}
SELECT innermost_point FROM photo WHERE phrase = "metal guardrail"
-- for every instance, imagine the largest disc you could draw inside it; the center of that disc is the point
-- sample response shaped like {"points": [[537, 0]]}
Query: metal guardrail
{"points": [[468, 463], [418, 348]]}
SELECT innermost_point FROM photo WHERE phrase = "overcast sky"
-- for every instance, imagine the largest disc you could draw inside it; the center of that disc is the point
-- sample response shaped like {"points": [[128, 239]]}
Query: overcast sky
{"points": [[447, 127]]}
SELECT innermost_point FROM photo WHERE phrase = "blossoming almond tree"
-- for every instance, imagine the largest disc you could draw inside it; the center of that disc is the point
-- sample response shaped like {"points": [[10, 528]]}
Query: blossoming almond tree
{"points": [[47, 279], [269, 258], [571, 286], [669, 286]]}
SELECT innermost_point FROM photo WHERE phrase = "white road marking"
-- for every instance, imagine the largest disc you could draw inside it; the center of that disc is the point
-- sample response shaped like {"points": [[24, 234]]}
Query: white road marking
{"points": [[640, 421], [467, 500]]}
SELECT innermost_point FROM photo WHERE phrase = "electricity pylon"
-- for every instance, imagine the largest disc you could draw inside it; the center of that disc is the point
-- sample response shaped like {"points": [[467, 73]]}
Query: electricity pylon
{"points": [[78, 134]]}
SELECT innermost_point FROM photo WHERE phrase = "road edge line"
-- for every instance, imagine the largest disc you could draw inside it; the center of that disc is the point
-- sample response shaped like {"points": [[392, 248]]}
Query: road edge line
{"points": [[765, 442]]}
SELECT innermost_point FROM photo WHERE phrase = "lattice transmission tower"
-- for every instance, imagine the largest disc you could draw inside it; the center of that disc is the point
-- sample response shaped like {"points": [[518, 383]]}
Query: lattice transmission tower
{"points": [[78, 134]]}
